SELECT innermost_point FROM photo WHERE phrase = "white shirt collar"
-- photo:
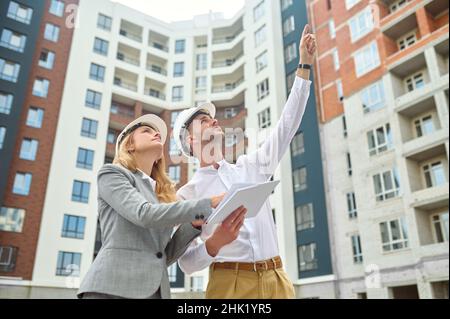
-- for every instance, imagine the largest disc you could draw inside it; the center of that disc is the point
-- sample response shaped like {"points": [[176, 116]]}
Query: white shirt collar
{"points": [[152, 181]]}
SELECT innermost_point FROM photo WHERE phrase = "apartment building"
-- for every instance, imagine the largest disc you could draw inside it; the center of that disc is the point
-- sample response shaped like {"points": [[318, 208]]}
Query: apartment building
{"points": [[383, 100]]}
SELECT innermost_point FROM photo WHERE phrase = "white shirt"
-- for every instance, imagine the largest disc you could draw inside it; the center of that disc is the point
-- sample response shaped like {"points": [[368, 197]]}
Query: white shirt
{"points": [[152, 181], [257, 239]]}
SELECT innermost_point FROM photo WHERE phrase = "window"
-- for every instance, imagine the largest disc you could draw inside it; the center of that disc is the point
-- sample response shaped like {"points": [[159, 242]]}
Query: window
{"points": [[101, 46], [298, 144], [11, 219], [379, 140], [407, 40], [440, 227], [57, 8], [386, 185], [85, 158], [202, 61], [80, 192], [300, 179], [264, 120], [104, 22], [351, 205], [73, 227], [8, 257], [261, 62], [89, 128], [290, 52], [197, 283], [68, 264], [332, 28], [304, 216], [373, 97], [285, 4], [290, 79], [180, 46], [46, 59], [350, 3], [173, 118], [349, 165], [336, 59], [177, 93], [29, 149], [9, 71], [397, 5], [172, 272], [19, 12], [367, 59], [344, 126], [394, 234], [307, 257], [6, 101], [51, 32], [40, 87], [434, 174], [174, 173], [288, 25], [356, 248], [414, 82], [111, 137], [13, 40], [178, 69], [93, 99], [361, 24], [258, 11], [424, 125], [263, 89], [340, 90], [2, 136], [97, 72], [35, 117], [173, 148], [260, 36], [230, 112], [22, 183]]}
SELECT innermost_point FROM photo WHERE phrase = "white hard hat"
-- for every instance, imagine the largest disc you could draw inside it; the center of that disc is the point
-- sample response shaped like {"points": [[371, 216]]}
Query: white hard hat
{"points": [[151, 120], [186, 117]]}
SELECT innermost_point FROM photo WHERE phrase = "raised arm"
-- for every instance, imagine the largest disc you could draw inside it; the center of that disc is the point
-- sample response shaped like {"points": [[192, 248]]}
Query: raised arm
{"points": [[267, 157]]}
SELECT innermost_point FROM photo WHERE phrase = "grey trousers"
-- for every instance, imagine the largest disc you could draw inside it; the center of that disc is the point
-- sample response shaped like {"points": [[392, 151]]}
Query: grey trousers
{"points": [[96, 295]]}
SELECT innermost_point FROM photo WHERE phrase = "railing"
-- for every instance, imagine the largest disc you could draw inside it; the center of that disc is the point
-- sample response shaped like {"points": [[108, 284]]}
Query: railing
{"points": [[228, 39], [125, 84], [156, 69], [159, 46], [156, 94], [227, 88], [130, 35], [124, 58], [228, 62]]}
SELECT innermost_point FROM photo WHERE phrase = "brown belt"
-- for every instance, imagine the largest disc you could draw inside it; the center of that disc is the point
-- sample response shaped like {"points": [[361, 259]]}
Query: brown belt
{"points": [[269, 264]]}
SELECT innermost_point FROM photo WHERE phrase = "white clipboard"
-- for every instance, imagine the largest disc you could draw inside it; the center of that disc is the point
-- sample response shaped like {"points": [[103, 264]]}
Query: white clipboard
{"points": [[251, 196]]}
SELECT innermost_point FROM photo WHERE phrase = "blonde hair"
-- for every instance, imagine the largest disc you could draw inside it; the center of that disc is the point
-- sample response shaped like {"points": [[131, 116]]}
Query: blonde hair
{"points": [[165, 187]]}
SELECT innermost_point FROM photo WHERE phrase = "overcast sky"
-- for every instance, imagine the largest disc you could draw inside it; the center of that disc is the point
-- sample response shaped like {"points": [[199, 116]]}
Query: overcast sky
{"points": [[176, 10]]}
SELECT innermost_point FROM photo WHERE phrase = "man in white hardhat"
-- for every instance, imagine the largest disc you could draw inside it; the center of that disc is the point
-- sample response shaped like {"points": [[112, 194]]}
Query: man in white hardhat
{"points": [[244, 261]]}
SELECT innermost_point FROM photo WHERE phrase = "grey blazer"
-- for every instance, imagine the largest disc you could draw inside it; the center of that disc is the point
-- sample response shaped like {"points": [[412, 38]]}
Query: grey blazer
{"points": [[137, 246]]}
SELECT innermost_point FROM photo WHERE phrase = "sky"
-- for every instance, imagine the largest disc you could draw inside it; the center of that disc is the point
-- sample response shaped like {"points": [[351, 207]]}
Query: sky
{"points": [[178, 10]]}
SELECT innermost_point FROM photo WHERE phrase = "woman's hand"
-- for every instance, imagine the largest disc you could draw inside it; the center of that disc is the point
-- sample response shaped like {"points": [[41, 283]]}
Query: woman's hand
{"points": [[227, 232], [215, 201]]}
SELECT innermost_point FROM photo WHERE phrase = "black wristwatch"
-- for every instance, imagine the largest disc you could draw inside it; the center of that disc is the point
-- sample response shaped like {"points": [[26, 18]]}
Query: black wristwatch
{"points": [[305, 66]]}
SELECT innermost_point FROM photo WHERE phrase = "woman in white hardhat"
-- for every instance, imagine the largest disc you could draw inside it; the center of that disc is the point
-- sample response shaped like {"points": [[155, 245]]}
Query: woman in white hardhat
{"points": [[137, 210]]}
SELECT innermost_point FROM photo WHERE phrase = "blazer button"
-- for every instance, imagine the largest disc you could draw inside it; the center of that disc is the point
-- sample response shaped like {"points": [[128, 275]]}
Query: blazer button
{"points": [[159, 255]]}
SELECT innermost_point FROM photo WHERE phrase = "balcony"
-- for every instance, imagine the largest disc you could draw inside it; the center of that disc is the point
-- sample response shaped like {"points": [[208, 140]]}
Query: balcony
{"points": [[158, 41], [128, 54], [426, 146], [125, 80], [156, 65], [226, 36], [442, 50], [394, 11], [121, 114], [228, 61], [131, 31], [227, 87], [432, 231], [227, 120], [155, 89]]}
